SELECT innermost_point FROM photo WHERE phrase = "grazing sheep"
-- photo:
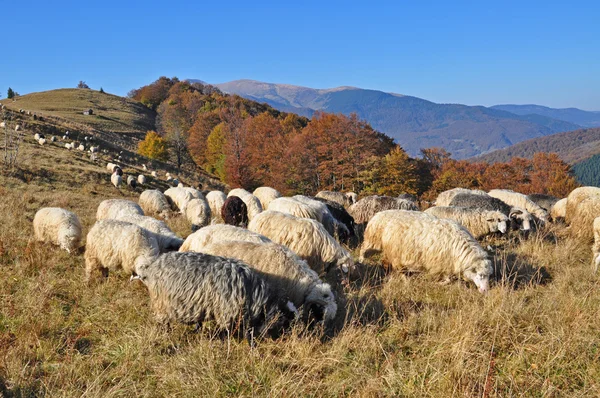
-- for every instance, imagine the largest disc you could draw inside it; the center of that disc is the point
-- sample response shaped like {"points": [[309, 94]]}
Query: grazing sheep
{"points": [[81, 147], [219, 233], [596, 247], [323, 216], [478, 222], [197, 212], [94, 149], [154, 174], [53, 138], [353, 197], [266, 195], [305, 237], [363, 210], [544, 201], [583, 206], [418, 241], [295, 208], [68, 146], [216, 200], [131, 181], [342, 216], [252, 203], [113, 208], [116, 180], [516, 199], [57, 226], [113, 244], [234, 212], [141, 179], [18, 127], [177, 198], [519, 218], [42, 141], [445, 198], [285, 272], [152, 201], [36, 136], [194, 287], [559, 210], [3, 125], [337, 197], [166, 239], [118, 170], [111, 167], [145, 167]]}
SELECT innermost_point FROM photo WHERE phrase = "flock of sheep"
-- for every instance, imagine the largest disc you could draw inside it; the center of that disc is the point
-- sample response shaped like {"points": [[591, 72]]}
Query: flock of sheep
{"points": [[253, 260]]}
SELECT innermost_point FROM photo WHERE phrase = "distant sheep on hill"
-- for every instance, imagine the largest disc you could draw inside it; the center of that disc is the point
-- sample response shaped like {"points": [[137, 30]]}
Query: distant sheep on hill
{"points": [[116, 180], [132, 182], [478, 222], [113, 208], [57, 226], [416, 241], [141, 179]]}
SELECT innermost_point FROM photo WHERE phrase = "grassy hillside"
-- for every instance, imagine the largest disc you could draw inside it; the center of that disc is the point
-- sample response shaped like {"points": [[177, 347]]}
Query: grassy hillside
{"points": [[111, 113], [397, 336], [572, 147]]}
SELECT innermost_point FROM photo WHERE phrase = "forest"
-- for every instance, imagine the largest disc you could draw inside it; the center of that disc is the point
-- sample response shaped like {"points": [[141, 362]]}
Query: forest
{"points": [[248, 144]]}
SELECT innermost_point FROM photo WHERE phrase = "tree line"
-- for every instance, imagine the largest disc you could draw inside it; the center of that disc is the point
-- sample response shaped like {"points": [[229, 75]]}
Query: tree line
{"points": [[249, 144]]}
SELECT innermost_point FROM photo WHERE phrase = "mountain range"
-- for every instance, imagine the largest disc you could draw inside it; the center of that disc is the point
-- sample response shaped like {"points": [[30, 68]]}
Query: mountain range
{"points": [[415, 123]]}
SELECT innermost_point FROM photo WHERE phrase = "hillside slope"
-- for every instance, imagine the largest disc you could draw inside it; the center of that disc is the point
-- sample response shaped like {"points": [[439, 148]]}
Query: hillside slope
{"points": [[572, 147], [414, 123], [572, 115]]}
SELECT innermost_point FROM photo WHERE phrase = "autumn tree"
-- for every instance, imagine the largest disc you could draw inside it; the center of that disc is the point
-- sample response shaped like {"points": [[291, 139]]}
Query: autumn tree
{"points": [[457, 174], [551, 175], [391, 175], [154, 147], [204, 125], [152, 95], [215, 152]]}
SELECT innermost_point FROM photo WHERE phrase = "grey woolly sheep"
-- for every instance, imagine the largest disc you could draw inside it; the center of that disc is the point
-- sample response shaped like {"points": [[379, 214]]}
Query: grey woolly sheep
{"points": [[305, 237], [337, 197], [57, 226], [516, 199], [116, 180], [444, 198], [216, 200], [219, 233], [194, 287], [197, 213], [285, 272], [559, 210], [544, 201], [418, 241], [234, 212], [152, 201], [252, 203], [166, 239], [478, 222], [266, 195], [519, 218], [113, 208], [113, 244]]}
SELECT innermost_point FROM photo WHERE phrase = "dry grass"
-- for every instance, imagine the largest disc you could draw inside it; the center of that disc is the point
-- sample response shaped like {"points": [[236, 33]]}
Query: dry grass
{"points": [[529, 336]]}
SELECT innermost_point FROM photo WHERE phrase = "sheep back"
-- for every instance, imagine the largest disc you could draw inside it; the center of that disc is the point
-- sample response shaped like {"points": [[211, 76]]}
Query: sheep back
{"points": [[57, 226]]}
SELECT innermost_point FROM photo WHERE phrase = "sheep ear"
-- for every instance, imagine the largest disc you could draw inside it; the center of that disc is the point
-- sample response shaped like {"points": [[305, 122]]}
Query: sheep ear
{"points": [[515, 213]]}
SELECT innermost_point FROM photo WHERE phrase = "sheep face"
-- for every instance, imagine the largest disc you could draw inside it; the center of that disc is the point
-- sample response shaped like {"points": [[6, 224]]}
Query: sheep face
{"points": [[497, 225], [320, 302], [480, 276], [520, 219]]}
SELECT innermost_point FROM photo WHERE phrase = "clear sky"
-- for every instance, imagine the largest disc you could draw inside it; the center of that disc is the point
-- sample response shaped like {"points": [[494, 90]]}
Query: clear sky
{"points": [[472, 52]]}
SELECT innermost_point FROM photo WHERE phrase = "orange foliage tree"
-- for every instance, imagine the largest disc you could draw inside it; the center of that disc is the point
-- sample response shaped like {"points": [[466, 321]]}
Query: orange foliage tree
{"points": [[154, 147]]}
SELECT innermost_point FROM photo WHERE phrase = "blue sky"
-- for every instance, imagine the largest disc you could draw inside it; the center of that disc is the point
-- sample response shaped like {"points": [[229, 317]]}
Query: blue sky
{"points": [[471, 52]]}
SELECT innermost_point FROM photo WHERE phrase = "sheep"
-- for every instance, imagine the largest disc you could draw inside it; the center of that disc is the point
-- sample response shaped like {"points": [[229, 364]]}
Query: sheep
{"points": [[323, 215], [53, 138], [111, 167], [216, 200], [166, 239], [519, 218], [444, 198], [234, 212], [68, 146], [197, 212], [113, 244], [341, 215], [18, 127], [418, 241], [516, 199], [117, 170], [42, 141], [252, 203], [295, 208], [363, 210], [178, 197], [305, 237], [81, 147], [3, 125], [583, 206], [116, 180], [544, 201], [141, 179], [285, 272], [36, 136], [559, 210], [478, 222], [154, 174], [195, 287], [337, 197], [218, 233], [57, 226], [352, 196], [152, 201], [112, 208], [596, 247], [145, 167], [94, 149], [131, 181], [266, 195]]}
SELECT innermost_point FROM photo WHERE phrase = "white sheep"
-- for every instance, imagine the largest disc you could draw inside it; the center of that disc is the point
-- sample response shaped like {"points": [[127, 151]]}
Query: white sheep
{"points": [[111, 167], [81, 147], [197, 213], [178, 197], [141, 179], [36, 136], [418, 241], [113, 244], [559, 210], [352, 196], [167, 239], [3, 125], [337, 197], [113, 208], [116, 180], [516, 199], [68, 146], [478, 222], [152, 201], [266, 195], [305, 237], [324, 216], [18, 127], [218, 233], [154, 174], [446, 197], [596, 247], [215, 200], [583, 206], [294, 207], [285, 272], [57, 226], [42, 141], [252, 203]]}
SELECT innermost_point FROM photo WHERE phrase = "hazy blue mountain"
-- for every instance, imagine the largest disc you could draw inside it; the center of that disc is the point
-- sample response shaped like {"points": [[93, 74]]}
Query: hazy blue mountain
{"points": [[572, 115], [413, 122]]}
